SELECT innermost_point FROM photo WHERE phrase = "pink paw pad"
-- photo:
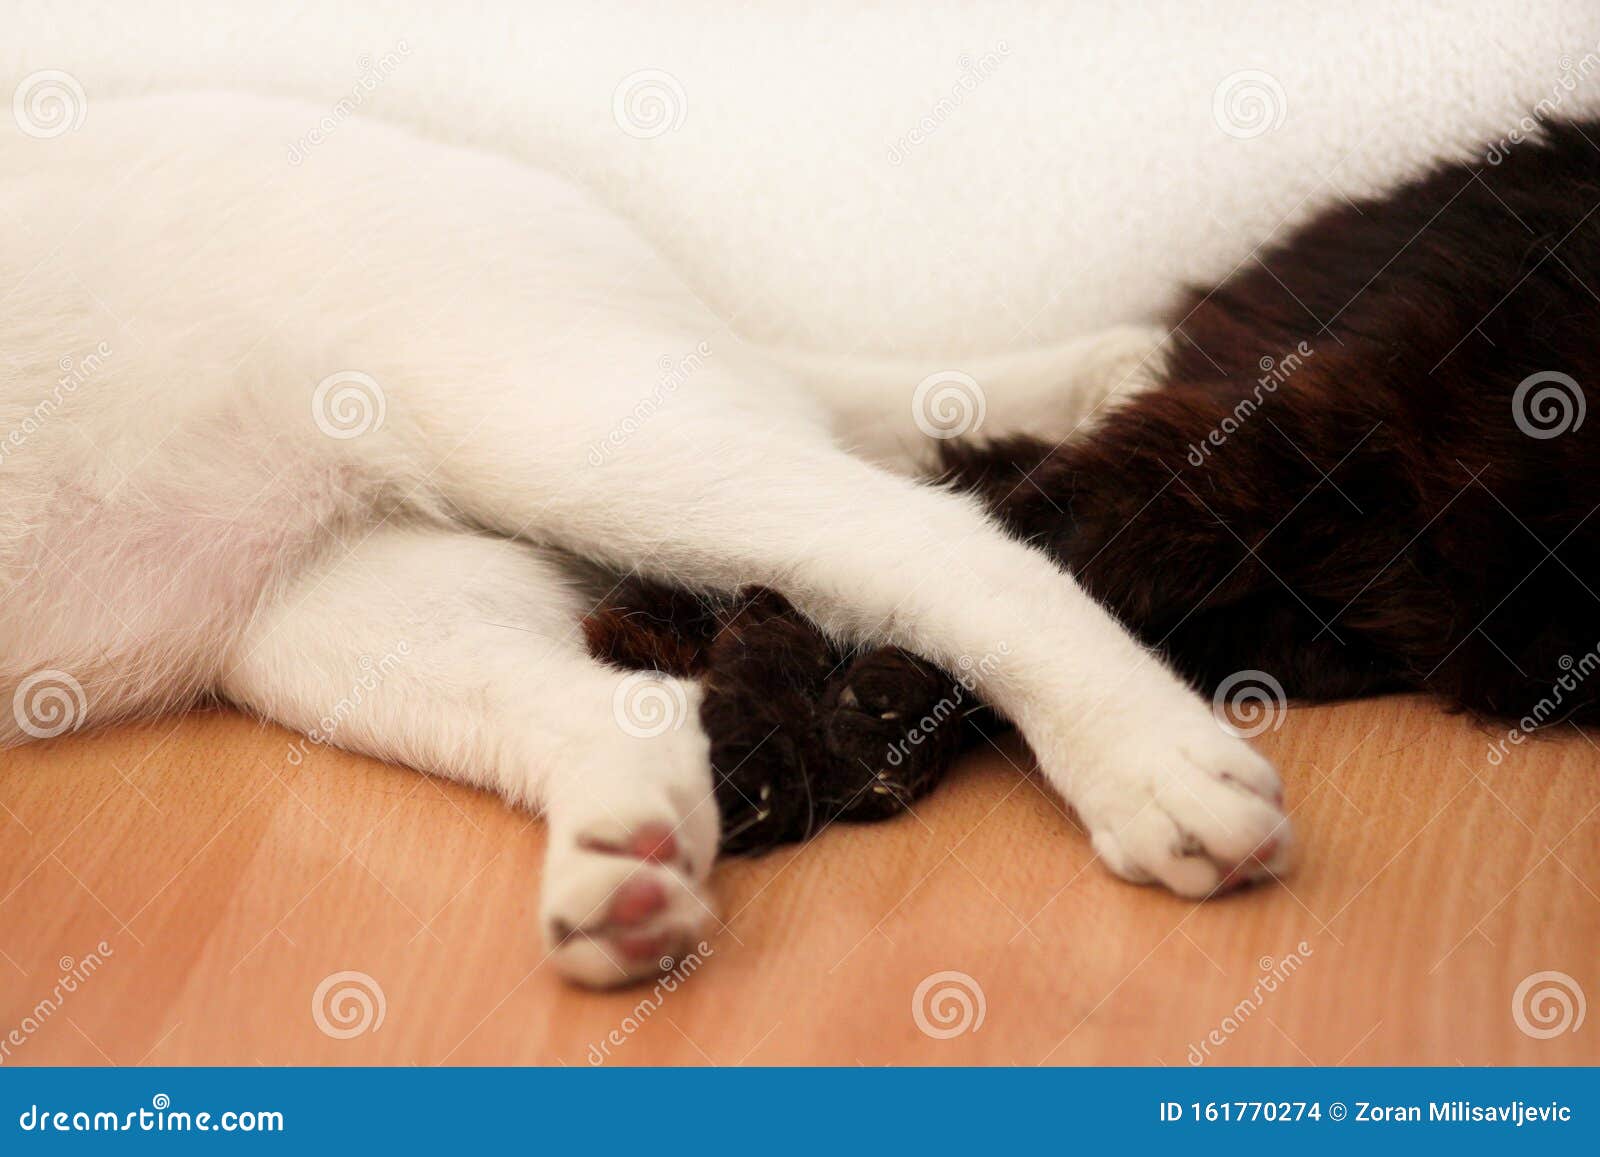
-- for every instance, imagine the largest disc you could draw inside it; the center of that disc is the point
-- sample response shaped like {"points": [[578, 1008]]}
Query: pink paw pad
{"points": [[636, 901], [654, 842], [652, 946], [651, 842], [1241, 874]]}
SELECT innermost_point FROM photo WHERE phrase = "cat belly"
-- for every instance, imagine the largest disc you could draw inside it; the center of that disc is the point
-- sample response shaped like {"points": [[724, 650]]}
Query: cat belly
{"points": [[129, 599]]}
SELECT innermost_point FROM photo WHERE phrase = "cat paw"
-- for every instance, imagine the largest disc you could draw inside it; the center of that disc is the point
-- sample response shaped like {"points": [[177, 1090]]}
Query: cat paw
{"points": [[893, 725], [624, 902], [804, 733], [1200, 814]]}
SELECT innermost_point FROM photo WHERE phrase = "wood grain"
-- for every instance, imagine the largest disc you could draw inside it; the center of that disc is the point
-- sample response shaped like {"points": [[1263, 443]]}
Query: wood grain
{"points": [[228, 880]]}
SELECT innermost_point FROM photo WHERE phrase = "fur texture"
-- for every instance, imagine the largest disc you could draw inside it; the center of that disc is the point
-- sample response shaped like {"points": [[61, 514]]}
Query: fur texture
{"points": [[919, 178], [804, 730], [1367, 467], [342, 441]]}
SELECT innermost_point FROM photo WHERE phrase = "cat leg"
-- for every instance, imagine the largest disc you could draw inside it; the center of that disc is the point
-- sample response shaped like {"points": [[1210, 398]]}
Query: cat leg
{"points": [[1094, 376], [460, 655], [898, 412], [701, 497], [804, 731], [1261, 515]]}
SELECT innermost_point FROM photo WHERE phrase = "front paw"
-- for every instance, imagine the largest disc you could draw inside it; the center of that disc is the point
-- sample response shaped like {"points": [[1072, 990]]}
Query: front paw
{"points": [[804, 732], [1193, 808], [624, 901]]}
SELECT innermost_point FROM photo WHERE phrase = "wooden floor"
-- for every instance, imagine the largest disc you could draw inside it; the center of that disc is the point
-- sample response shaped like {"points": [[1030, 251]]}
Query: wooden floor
{"points": [[228, 882]]}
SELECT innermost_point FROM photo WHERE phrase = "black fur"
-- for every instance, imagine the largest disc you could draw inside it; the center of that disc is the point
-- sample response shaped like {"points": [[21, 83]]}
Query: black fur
{"points": [[1338, 483], [803, 732]]}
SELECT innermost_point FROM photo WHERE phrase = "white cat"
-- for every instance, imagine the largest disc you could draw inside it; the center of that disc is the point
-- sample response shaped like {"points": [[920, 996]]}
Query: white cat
{"points": [[274, 432]]}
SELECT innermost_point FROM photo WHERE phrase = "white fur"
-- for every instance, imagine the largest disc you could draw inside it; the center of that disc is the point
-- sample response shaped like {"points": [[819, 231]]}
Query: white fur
{"points": [[174, 522], [186, 520], [1078, 186]]}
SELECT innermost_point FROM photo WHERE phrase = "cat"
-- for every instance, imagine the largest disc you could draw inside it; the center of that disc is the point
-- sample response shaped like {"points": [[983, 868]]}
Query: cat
{"points": [[1365, 469], [342, 443]]}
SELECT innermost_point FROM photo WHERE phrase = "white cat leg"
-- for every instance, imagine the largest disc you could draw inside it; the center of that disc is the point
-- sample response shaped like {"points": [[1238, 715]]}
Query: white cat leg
{"points": [[1166, 792], [896, 411], [461, 655]]}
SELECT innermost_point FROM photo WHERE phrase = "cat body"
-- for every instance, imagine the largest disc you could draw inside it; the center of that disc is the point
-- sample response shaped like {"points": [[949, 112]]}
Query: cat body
{"points": [[1368, 466], [330, 441]]}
